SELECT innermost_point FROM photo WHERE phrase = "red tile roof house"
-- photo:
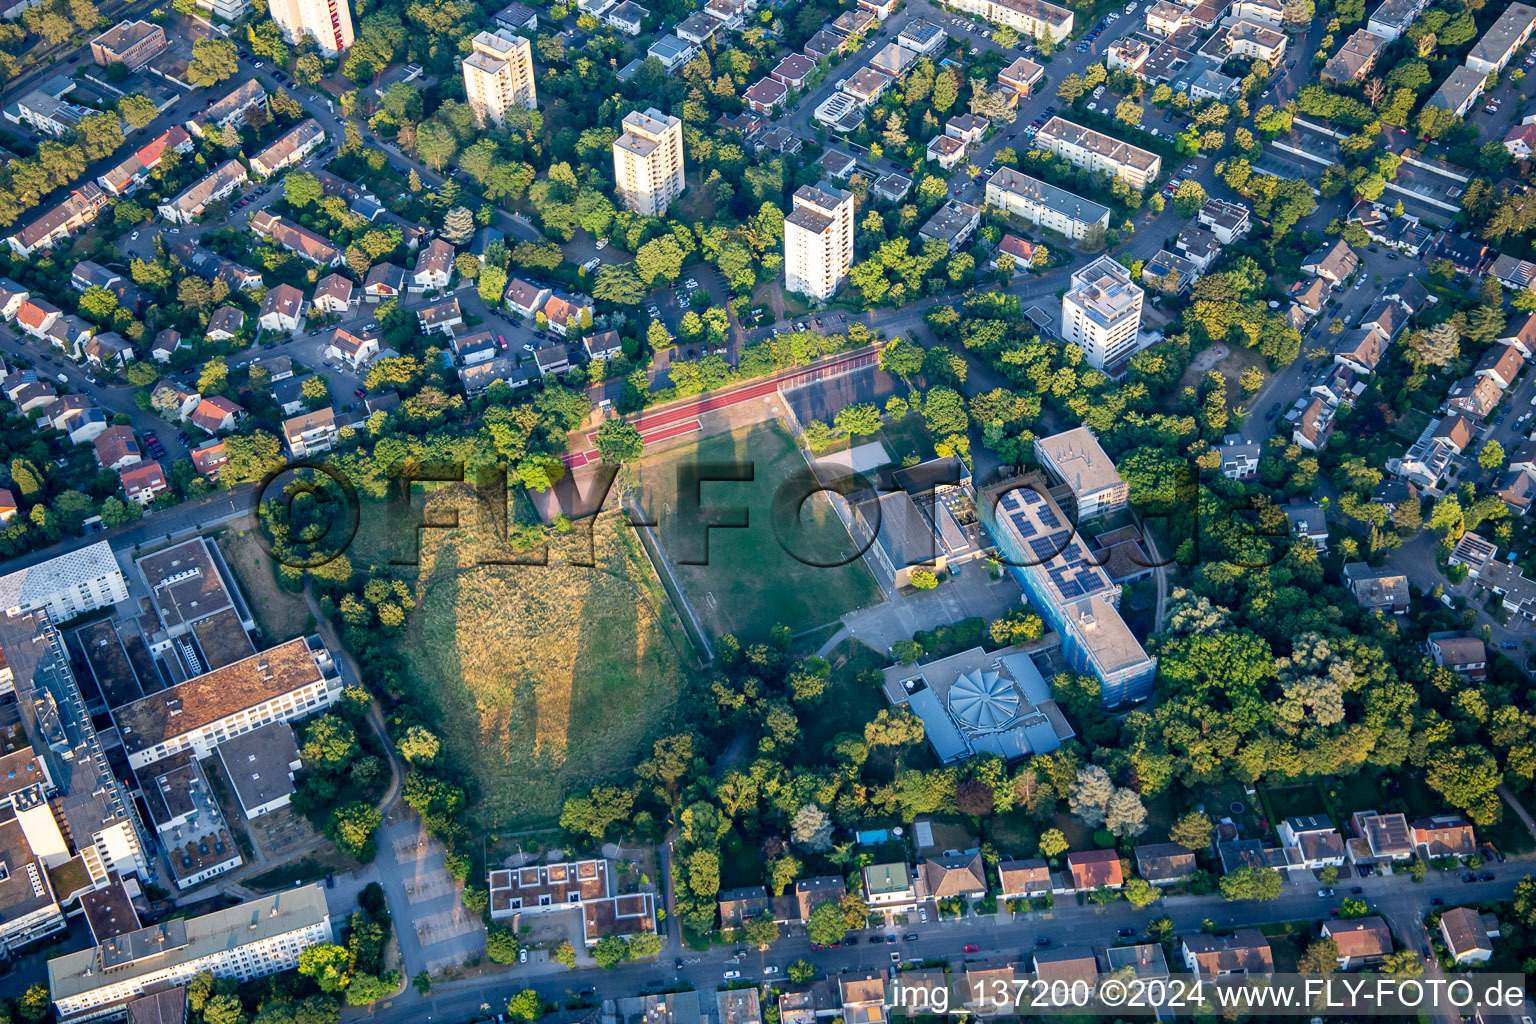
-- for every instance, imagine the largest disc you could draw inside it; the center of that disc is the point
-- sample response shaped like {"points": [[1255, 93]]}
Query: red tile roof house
{"points": [[37, 315], [1093, 868], [434, 267], [215, 414], [525, 298], [440, 317], [385, 281], [281, 309], [142, 482], [296, 239], [1444, 835], [117, 448], [8, 506], [209, 457], [564, 313], [1500, 364]]}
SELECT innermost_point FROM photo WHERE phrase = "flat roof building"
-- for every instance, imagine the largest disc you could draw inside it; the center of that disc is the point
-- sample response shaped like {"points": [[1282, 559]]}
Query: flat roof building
{"points": [[283, 683], [1101, 314], [1069, 589], [252, 940]]}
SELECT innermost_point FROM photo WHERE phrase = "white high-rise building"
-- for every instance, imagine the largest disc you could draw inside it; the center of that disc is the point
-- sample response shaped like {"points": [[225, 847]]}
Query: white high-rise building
{"points": [[818, 240], [1101, 314], [648, 162], [329, 21], [70, 584], [499, 75]]}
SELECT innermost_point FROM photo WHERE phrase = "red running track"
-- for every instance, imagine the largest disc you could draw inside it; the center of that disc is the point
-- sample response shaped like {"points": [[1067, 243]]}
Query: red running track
{"points": [[654, 426]]}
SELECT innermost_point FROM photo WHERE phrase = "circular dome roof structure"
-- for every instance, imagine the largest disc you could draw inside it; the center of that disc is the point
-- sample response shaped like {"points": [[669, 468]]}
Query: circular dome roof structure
{"points": [[983, 700]]}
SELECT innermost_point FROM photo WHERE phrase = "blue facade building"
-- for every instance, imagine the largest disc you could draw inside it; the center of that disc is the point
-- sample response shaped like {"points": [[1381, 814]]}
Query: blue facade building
{"points": [[1071, 592]]}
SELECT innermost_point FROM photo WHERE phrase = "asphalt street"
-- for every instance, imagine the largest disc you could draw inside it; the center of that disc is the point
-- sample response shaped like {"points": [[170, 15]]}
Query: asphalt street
{"points": [[1005, 936]]}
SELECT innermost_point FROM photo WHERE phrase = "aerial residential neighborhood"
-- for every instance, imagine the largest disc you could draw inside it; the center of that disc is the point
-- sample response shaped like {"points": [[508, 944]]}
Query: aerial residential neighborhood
{"points": [[731, 511]]}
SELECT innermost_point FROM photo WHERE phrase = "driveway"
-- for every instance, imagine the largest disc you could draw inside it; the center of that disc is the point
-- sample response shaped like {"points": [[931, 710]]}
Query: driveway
{"points": [[973, 594]]}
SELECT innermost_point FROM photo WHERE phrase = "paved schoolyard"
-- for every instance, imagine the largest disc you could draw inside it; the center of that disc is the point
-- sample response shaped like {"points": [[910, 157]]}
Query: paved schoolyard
{"points": [[434, 929], [972, 594]]}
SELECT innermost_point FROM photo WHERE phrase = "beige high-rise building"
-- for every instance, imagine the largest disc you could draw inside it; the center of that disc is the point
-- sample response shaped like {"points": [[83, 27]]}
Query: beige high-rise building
{"points": [[498, 75], [648, 162], [818, 240], [329, 21]]}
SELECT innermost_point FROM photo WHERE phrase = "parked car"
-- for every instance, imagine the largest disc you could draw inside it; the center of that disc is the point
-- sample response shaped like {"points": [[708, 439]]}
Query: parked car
{"points": [[1126, 933], [732, 975], [1042, 941], [910, 936], [1324, 894]]}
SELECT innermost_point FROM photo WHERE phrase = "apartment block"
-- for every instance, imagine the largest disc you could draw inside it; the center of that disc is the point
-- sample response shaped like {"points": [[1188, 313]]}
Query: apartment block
{"points": [[1096, 151], [1036, 17], [1075, 460], [498, 75], [648, 162], [818, 240], [1044, 205], [1101, 314], [251, 940], [328, 21]]}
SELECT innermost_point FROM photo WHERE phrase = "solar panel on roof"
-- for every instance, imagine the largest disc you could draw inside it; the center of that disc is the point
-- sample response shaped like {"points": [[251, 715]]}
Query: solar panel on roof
{"points": [[1047, 516], [1042, 547], [1069, 589], [1023, 524], [1031, 497]]}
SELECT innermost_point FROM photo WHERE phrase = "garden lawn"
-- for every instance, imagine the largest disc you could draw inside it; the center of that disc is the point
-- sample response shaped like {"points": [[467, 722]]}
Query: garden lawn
{"points": [[749, 581]]}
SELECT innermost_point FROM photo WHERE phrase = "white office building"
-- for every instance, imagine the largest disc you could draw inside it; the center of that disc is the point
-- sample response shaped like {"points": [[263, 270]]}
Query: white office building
{"points": [[282, 684], [240, 943], [818, 240], [498, 75], [648, 162], [1101, 314]]}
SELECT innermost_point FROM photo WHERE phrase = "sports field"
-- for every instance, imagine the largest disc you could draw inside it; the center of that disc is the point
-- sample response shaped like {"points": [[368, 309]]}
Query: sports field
{"points": [[751, 582], [541, 679]]}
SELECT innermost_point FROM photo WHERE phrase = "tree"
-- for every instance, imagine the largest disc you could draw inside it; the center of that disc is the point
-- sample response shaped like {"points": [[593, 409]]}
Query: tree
{"points": [[800, 971], [1252, 882], [1053, 843], [1492, 455], [610, 951], [1192, 830], [436, 144], [1090, 794], [328, 964], [351, 828], [1128, 111], [660, 257], [761, 931], [213, 61], [1438, 346], [619, 284], [223, 1009], [826, 924], [565, 954], [137, 110], [501, 944], [618, 442], [1125, 815], [1141, 893], [1188, 198], [1321, 957], [526, 1005], [811, 829], [458, 225], [419, 745]]}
